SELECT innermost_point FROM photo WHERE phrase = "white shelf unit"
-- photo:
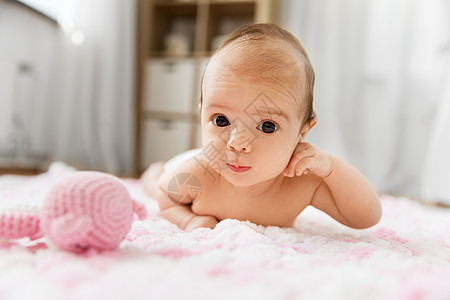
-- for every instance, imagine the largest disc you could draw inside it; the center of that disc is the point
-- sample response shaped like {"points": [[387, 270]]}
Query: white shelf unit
{"points": [[168, 79]]}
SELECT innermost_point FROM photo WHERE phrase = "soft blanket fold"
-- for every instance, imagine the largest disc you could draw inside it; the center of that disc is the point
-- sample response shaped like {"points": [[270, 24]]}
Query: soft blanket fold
{"points": [[406, 256]]}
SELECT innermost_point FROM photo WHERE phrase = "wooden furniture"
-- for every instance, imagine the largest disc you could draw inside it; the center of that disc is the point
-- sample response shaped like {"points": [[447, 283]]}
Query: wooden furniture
{"points": [[175, 40], [20, 171]]}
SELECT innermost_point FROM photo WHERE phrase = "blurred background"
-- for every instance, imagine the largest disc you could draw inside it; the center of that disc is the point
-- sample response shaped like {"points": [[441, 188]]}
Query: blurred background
{"points": [[113, 85]]}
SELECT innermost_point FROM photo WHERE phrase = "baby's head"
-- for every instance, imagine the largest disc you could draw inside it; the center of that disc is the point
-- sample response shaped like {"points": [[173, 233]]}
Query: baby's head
{"points": [[257, 96], [270, 55]]}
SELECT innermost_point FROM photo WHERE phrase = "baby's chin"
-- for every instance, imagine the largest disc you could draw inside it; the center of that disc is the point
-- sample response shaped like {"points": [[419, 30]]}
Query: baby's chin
{"points": [[249, 179]]}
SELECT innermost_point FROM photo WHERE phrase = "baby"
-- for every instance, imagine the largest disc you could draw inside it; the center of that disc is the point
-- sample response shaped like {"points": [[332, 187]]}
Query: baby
{"points": [[256, 109]]}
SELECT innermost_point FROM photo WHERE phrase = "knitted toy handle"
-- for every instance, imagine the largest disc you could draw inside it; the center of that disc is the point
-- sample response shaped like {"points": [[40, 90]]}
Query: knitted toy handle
{"points": [[14, 225]]}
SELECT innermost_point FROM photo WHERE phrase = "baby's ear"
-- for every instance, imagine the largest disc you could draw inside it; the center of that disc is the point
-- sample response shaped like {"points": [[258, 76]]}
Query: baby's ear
{"points": [[200, 103], [307, 127]]}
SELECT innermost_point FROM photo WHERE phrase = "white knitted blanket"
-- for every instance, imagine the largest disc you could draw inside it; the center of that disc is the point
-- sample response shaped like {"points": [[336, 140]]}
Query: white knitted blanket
{"points": [[406, 256]]}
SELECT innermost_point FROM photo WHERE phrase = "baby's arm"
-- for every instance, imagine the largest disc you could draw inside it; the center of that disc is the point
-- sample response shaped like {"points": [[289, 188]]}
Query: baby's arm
{"points": [[180, 213], [344, 193], [177, 211]]}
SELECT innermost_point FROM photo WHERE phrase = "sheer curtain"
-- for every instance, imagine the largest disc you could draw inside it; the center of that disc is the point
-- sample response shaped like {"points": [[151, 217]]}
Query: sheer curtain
{"points": [[90, 120], [380, 76], [436, 176]]}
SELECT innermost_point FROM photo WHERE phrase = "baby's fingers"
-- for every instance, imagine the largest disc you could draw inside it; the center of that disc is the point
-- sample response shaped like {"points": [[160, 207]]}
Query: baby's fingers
{"points": [[290, 170], [302, 167], [201, 221], [302, 151]]}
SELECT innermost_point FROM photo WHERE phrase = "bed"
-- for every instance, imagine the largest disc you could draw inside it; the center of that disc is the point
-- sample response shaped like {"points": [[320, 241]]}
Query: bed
{"points": [[405, 256]]}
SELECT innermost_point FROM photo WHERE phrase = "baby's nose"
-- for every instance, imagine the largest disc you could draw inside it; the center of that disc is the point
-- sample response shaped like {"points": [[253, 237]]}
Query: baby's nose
{"points": [[240, 140]]}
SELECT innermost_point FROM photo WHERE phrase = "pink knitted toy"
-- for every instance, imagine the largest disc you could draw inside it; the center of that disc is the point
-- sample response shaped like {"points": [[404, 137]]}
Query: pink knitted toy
{"points": [[83, 210]]}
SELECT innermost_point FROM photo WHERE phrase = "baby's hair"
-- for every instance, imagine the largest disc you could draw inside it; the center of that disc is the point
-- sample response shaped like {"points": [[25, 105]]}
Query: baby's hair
{"points": [[268, 52]]}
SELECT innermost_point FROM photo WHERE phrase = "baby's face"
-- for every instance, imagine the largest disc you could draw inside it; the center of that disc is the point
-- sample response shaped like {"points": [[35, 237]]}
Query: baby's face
{"points": [[249, 129]]}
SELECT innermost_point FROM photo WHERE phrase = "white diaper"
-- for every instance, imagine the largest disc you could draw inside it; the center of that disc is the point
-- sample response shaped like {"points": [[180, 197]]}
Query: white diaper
{"points": [[178, 159]]}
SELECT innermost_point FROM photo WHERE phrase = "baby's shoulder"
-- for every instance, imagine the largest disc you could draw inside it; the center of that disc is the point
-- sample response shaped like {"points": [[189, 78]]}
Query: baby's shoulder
{"points": [[194, 169], [198, 166], [302, 187]]}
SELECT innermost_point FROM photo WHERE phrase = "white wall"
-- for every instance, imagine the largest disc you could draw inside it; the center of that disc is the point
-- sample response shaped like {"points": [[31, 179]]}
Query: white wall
{"points": [[26, 38], [78, 100]]}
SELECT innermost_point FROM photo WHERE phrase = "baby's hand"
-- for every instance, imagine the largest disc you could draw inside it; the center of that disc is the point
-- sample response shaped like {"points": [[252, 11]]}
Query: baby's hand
{"points": [[307, 158], [201, 221]]}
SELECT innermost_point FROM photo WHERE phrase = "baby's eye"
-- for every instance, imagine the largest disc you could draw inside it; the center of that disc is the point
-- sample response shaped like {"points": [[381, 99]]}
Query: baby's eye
{"points": [[221, 121], [267, 127]]}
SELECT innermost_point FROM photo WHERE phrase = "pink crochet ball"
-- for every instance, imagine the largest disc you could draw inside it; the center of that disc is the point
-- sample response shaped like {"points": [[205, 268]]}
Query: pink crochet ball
{"points": [[88, 210]]}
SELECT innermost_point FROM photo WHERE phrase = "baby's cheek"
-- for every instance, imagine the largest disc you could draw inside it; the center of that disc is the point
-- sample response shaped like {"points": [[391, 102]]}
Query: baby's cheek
{"points": [[285, 163], [276, 165], [285, 160]]}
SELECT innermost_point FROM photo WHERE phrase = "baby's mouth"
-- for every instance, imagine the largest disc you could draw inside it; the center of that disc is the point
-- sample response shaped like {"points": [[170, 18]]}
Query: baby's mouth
{"points": [[238, 169]]}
